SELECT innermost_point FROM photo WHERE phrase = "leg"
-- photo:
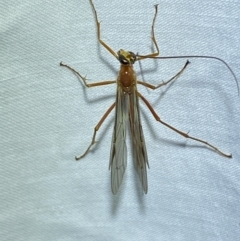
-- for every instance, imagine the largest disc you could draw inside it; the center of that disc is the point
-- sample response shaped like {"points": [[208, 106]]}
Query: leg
{"points": [[97, 127], [180, 132], [85, 80], [99, 33], [153, 87], [139, 57]]}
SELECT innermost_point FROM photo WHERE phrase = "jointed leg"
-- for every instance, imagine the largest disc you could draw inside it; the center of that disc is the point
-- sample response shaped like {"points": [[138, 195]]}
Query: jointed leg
{"points": [[97, 127], [153, 87], [180, 132], [85, 80], [99, 33], [152, 37]]}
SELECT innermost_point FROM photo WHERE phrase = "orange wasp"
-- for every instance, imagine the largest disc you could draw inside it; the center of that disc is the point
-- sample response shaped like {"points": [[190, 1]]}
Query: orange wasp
{"points": [[127, 111]]}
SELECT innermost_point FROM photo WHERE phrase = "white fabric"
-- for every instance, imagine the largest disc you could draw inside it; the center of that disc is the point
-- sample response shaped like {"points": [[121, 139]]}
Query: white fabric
{"points": [[47, 117]]}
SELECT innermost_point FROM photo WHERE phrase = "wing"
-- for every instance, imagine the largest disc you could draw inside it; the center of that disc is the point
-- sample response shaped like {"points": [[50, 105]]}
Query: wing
{"points": [[138, 142], [118, 155]]}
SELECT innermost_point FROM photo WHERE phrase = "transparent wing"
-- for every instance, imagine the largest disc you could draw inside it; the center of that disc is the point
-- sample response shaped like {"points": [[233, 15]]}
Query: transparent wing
{"points": [[138, 142], [118, 155]]}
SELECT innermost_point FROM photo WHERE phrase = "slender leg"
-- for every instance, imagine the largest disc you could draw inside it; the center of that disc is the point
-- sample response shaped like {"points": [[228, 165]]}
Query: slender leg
{"points": [[153, 87], [97, 127], [152, 37], [99, 33], [180, 132], [107, 82]]}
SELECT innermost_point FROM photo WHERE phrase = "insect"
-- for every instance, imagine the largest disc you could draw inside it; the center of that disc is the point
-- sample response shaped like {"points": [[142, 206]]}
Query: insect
{"points": [[127, 110]]}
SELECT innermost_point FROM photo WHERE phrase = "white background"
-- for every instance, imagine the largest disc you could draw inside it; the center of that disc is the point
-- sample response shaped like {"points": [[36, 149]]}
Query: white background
{"points": [[47, 117]]}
